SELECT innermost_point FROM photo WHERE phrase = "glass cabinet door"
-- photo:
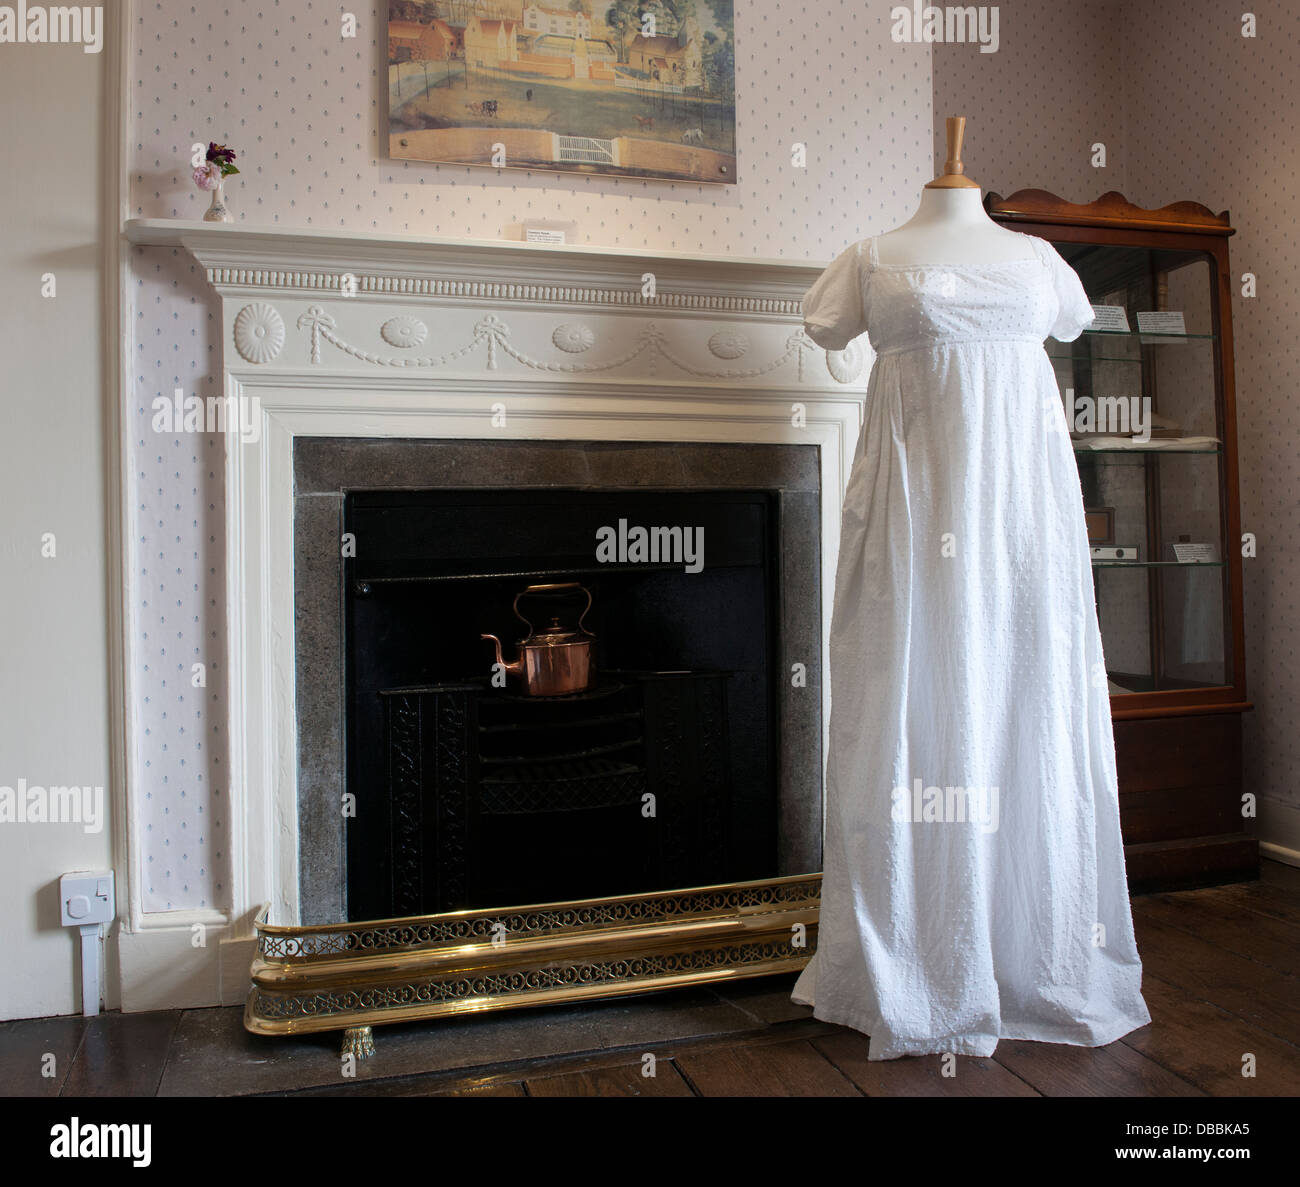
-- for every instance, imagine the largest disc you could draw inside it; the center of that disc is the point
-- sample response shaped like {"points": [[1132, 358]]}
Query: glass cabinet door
{"points": [[1140, 396]]}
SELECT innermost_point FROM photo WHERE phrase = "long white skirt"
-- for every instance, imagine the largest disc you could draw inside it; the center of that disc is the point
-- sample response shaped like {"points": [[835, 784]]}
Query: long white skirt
{"points": [[965, 656]]}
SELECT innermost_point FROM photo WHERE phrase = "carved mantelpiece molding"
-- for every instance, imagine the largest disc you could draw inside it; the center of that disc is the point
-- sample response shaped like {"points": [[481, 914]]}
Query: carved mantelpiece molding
{"points": [[329, 300]]}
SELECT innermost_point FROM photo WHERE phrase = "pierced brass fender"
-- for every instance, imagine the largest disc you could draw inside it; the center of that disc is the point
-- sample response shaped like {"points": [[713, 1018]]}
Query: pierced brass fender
{"points": [[352, 976]]}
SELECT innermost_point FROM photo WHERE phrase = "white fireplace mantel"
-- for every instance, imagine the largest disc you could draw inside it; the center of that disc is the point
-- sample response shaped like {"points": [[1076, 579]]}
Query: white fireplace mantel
{"points": [[343, 302], [321, 253], [334, 333]]}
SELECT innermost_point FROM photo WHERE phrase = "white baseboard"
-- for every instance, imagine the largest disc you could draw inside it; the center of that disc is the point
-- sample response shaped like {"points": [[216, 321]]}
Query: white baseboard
{"points": [[1290, 857], [1279, 831], [162, 969]]}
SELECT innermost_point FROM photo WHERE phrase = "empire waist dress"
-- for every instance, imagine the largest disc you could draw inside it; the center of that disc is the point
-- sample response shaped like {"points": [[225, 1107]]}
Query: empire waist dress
{"points": [[973, 875]]}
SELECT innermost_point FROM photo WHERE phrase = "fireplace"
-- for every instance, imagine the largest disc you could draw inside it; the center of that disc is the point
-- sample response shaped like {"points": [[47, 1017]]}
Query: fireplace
{"points": [[372, 366], [460, 793]]}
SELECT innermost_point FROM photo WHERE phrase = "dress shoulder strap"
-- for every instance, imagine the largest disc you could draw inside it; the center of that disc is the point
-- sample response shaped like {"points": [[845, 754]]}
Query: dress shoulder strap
{"points": [[872, 258]]}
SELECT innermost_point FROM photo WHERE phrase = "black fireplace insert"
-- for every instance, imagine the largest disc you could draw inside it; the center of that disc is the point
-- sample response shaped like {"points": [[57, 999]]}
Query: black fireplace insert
{"points": [[463, 793]]}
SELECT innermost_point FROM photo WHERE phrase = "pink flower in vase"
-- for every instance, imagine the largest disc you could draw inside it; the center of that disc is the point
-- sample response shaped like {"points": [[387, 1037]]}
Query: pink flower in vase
{"points": [[207, 176]]}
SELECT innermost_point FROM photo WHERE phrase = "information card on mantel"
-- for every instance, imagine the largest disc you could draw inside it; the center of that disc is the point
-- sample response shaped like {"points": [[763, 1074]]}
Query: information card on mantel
{"points": [[1111, 318], [1162, 325]]}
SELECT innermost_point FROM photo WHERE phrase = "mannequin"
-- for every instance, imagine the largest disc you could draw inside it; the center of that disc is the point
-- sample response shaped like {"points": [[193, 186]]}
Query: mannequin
{"points": [[969, 669], [950, 226]]}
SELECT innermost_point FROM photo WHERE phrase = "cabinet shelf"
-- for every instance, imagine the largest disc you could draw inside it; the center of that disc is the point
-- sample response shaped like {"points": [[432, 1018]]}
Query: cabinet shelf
{"points": [[1126, 346], [1169, 450], [1148, 335], [1158, 564]]}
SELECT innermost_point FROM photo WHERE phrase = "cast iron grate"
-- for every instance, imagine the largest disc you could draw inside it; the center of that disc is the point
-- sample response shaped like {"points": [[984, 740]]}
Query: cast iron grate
{"points": [[561, 787]]}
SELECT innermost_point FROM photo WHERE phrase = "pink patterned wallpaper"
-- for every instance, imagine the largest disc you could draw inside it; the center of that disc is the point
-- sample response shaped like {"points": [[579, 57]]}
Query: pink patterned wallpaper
{"points": [[1035, 108]]}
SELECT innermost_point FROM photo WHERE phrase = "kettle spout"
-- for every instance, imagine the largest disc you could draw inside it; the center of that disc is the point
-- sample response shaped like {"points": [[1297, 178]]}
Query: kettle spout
{"points": [[515, 669]]}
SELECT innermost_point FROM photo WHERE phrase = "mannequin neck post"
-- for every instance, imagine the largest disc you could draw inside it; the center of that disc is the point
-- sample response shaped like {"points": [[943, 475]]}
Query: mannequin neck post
{"points": [[964, 207]]}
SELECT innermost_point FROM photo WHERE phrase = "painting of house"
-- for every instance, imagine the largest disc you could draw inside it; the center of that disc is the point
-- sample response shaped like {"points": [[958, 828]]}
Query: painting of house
{"points": [[434, 41], [580, 86], [668, 59], [491, 42]]}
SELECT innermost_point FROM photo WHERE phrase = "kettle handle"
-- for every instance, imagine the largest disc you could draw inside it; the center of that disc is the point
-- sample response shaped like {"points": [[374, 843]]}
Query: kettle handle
{"points": [[553, 587]]}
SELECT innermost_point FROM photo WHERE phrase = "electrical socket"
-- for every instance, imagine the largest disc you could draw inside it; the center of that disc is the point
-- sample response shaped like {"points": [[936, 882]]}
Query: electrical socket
{"points": [[86, 898]]}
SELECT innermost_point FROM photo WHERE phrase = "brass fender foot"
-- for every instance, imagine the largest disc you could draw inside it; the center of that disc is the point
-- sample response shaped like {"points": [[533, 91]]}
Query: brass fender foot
{"points": [[359, 1042]]}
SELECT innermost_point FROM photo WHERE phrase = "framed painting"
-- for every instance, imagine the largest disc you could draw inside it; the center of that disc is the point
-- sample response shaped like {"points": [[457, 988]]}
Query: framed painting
{"points": [[629, 88]]}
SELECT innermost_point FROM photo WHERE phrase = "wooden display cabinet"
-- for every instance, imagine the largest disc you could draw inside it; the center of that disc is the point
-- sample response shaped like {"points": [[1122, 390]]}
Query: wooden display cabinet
{"points": [[1152, 419]]}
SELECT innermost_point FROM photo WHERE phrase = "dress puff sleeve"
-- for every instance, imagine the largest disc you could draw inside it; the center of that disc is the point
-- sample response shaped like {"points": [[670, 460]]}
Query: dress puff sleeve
{"points": [[1073, 310], [833, 313]]}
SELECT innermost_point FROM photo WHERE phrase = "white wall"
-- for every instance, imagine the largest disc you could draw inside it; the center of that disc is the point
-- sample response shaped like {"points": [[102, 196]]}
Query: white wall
{"points": [[53, 619]]}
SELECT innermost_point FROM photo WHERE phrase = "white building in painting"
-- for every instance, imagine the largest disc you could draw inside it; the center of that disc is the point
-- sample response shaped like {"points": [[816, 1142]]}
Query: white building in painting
{"points": [[538, 19]]}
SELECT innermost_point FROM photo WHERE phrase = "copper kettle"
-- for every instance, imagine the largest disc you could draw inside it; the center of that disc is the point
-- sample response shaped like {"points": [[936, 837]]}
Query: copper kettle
{"points": [[557, 660]]}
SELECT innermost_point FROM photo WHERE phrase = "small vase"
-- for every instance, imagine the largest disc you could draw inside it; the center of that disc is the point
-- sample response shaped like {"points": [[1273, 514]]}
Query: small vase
{"points": [[217, 212]]}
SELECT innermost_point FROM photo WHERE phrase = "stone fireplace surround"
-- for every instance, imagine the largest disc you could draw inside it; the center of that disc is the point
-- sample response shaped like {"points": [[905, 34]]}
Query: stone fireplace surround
{"points": [[367, 336], [326, 468]]}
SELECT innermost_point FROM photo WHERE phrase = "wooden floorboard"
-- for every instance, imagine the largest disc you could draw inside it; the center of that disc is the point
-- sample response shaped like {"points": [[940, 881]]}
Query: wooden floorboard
{"points": [[1275, 873], [1054, 1069], [1211, 1047], [1252, 991], [775, 1069], [1263, 898], [1236, 928], [628, 1079], [929, 1075], [514, 1089]]}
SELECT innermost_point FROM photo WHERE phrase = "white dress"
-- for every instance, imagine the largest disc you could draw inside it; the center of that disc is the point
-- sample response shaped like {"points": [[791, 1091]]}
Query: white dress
{"points": [[973, 884]]}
